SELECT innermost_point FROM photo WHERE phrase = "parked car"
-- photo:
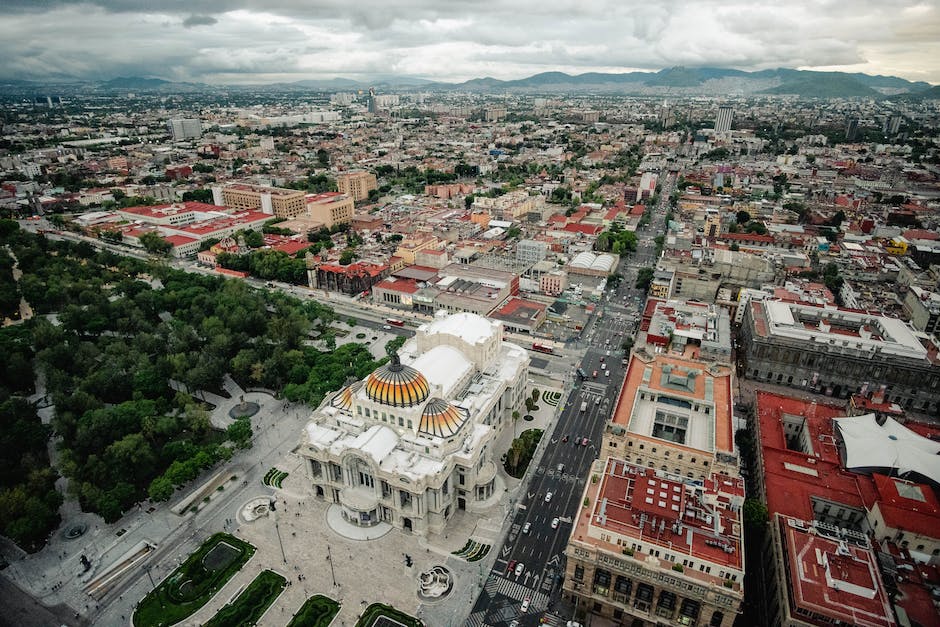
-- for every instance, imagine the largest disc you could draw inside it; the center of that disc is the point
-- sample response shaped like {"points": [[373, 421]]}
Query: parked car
{"points": [[555, 523], [548, 497], [584, 442], [526, 527]]}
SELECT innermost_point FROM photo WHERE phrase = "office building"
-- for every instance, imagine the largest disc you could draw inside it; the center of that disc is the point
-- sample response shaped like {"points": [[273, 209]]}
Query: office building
{"points": [[274, 201], [330, 208], [356, 185], [184, 128], [724, 119], [650, 547], [839, 352]]}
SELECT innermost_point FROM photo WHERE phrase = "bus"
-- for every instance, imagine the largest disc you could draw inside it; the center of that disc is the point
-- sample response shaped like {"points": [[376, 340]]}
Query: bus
{"points": [[395, 322], [543, 348]]}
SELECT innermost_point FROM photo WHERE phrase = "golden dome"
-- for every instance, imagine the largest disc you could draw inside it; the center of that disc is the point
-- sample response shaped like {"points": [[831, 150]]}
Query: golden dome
{"points": [[442, 419], [397, 385], [343, 400]]}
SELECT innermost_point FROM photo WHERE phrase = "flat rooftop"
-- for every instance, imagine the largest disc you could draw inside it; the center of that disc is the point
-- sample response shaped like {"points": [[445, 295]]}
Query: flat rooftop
{"points": [[677, 516], [839, 329], [834, 578], [684, 402]]}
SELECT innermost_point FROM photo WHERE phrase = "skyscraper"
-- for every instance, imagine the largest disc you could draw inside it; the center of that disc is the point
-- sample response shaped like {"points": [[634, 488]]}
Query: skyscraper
{"points": [[851, 129], [184, 128], [723, 121]]}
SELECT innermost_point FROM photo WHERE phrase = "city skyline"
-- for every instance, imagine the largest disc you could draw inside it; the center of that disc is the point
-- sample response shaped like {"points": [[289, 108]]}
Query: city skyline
{"points": [[246, 42]]}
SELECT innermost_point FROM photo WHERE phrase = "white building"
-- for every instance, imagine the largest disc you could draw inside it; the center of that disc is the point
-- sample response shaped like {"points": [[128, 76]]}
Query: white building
{"points": [[413, 442]]}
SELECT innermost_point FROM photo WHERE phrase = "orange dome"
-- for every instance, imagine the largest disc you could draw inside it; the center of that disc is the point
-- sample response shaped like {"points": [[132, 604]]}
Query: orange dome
{"points": [[442, 419], [397, 385]]}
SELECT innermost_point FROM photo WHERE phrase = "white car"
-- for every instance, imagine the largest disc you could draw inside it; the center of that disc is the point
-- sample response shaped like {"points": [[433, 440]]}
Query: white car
{"points": [[520, 567], [387, 327], [526, 527], [555, 523], [548, 497], [525, 605]]}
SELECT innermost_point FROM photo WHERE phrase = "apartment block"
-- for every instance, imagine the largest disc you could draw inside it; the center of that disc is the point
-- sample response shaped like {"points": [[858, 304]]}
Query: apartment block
{"points": [[330, 208], [274, 201], [356, 185]]}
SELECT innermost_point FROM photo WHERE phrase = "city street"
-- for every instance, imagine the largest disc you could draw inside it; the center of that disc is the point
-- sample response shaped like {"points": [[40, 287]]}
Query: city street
{"points": [[530, 564]]}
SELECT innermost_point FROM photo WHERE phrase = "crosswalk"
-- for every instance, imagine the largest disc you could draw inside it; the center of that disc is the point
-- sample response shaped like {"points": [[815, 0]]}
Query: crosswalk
{"points": [[502, 611]]}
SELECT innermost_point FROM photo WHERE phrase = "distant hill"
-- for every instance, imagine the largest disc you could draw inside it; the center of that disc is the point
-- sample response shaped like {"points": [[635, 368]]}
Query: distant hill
{"points": [[823, 85], [668, 82], [702, 81], [133, 82]]}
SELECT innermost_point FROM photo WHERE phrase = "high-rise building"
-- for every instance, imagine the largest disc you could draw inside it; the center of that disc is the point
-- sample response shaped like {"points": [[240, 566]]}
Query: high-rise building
{"points": [[184, 128], [724, 119], [851, 129], [356, 185]]}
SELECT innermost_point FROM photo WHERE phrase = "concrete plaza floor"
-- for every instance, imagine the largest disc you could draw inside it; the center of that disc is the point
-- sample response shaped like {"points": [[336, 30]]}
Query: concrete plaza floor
{"points": [[360, 572]]}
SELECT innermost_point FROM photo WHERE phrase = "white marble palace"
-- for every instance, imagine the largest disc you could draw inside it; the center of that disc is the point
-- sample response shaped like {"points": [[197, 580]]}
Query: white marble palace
{"points": [[414, 442]]}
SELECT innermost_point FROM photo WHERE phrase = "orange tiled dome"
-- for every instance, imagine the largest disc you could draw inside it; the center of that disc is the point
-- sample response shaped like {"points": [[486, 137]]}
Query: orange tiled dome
{"points": [[442, 419], [343, 400], [397, 385]]}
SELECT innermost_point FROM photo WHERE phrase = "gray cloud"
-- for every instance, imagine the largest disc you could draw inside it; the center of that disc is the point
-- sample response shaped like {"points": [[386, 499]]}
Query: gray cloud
{"points": [[251, 40], [199, 20]]}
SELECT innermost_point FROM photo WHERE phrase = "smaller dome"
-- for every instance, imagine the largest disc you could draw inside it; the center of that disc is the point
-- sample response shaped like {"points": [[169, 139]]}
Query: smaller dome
{"points": [[442, 419], [343, 400], [397, 385]]}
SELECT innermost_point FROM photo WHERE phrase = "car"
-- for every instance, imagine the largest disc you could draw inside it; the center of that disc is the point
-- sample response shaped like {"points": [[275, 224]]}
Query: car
{"points": [[602, 357], [548, 497], [595, 374], [514, 623], [387, 327], [607, 373], [560, 468], [597, 401], [555, 523], [525, 605], [584, 442], [511, 567], [526, 527], [565, 439], [520, 568]]}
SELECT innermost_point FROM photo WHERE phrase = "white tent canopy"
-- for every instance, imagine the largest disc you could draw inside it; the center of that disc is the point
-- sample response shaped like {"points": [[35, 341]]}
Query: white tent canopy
{"points": [[868, 444]]}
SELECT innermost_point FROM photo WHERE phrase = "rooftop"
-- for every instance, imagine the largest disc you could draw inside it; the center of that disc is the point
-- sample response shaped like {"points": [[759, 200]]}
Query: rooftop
{"points": [[652, 508], [696, 396], [836, 579], [840, 329]]}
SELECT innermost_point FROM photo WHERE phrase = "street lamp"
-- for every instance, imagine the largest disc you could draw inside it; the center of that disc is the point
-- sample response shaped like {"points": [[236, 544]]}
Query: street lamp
{"points": [[329, 558], [278, 531]]}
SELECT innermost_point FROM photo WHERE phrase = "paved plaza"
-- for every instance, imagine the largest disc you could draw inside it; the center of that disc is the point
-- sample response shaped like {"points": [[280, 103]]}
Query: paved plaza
{"points": [[296, 540]]}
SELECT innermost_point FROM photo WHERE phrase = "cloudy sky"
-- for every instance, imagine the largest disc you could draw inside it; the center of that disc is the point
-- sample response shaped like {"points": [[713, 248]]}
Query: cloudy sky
{"points": [[258, 41]]}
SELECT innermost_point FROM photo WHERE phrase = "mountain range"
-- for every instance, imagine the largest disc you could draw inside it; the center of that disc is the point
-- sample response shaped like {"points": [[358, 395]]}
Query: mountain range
{"points": [[674, 81]]}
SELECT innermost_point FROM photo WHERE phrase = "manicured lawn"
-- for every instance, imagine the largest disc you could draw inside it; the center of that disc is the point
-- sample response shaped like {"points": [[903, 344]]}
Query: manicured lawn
{"points": [[317, 611], [376, 611], [196, 581], [251, 604]]}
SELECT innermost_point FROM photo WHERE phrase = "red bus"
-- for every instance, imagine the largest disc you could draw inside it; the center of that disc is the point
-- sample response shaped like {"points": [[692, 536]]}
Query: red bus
{"points": [[543, 348], [395, 322]]}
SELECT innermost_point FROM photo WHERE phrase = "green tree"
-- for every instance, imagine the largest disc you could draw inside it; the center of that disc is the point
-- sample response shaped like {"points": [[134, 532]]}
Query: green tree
{"points": [[154, 244], [755, 512], [743, 217], [644, 277]]}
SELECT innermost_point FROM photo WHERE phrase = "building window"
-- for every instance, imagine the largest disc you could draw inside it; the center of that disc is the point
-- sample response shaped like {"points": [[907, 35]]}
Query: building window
{"points": [[579, 573]]}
